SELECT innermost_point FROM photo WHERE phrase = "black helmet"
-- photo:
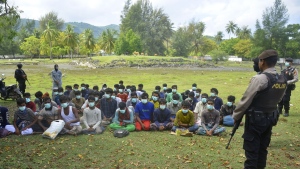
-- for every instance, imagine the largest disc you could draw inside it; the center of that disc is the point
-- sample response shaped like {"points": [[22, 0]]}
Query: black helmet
{"points": [[19, 65]]}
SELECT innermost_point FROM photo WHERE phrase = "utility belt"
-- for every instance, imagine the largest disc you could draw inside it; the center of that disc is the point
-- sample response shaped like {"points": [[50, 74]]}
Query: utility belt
{"points": [[259, 117]]}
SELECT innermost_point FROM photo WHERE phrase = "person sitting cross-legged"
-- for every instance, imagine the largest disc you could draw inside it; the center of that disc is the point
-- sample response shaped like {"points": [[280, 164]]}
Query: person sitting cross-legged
{"points": [[161, 117], [108, 107], [143, 112], [210, 120], [92, 118], [47, 114], [226, 112], [174, 106], [185, 118], [123, 118]]}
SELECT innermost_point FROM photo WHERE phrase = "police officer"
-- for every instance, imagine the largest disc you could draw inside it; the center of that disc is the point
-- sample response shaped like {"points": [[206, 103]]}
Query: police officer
{"points": [[21, 77], [291, 74], [258, 103]]}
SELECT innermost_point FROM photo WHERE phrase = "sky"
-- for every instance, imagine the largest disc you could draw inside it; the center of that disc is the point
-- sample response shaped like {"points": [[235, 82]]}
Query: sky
{"points": [[214, 13]]}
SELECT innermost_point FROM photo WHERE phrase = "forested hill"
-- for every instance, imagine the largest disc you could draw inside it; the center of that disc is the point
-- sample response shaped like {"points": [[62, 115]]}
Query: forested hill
{"points": [[79, 27]]}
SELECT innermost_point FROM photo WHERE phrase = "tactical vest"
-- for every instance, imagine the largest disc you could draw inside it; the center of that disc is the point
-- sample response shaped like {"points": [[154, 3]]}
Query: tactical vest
{"points": [[267, 99], [289, 73]]}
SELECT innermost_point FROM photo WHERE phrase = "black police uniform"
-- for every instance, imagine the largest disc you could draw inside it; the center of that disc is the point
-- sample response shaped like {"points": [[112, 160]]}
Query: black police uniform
{"points": [[20, 79]]}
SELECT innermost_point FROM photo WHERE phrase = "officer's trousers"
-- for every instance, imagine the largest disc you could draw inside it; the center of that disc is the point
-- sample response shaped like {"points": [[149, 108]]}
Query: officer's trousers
{"points": [[22, 86], [257, 136], [285, 101]]}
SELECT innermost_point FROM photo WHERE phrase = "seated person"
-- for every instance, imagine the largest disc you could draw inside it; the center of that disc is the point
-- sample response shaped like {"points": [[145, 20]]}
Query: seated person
{"points": [[161, 117], [143, 112], [227, 111], [185, 118], [108, 107], [60, 91], [174, 91], [192, 100], [86, 103], [168, 91], [200, 106], [70, 116], [218, 102], [174, 106], [72, 92], [78, 101], [46, 94], [154, 99], [54, 92], [194, 88], [115, 97], [4, 120], [198, 95], [38, 100], [122, 95], [161, 93], [68, 90], [131, 103], [123, 118], [185, 94], [84, 90], [24, 119], [92, 118], [210, 120], [29, 103], [47, 114]]}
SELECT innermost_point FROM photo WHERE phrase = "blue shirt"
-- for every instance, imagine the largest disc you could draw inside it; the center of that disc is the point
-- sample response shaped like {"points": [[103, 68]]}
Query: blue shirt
{"points": [[145, 111], [161, 116], [218, 103]]}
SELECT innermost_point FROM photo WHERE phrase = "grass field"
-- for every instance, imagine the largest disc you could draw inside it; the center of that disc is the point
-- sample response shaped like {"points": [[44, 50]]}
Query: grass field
{"points": [[145, 149]]}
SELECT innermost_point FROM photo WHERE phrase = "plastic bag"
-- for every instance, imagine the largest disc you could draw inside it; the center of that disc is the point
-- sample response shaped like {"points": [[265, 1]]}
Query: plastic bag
{"points": [[55, 127]]}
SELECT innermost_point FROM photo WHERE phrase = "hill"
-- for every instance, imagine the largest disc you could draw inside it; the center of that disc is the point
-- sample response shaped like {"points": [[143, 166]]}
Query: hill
{"points": [[79, 27]]}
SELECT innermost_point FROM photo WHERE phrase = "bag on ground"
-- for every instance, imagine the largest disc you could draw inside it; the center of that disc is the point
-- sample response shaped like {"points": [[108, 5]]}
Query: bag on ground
{"points": [[55, 127], [121, 133]]}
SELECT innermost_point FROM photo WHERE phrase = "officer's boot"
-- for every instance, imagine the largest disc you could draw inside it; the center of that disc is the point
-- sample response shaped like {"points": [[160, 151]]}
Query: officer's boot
{"points": [[286, 113]]}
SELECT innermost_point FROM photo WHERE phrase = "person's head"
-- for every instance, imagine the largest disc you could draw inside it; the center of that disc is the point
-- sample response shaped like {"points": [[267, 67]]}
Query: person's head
{"points": [[114, 94], [92, 93], [46, 94], [140, 86], [267, 59], [108, 93], [19, 65], [121, 82], [185, 105], [194, 86], [68, 88], [27, 97], [204, 97], [64, 101], [198, 92], [191, 95], [87, 86], [174, 88], [230, 100], [175, 99], [155, 96], [38, 94], [21, 103], [91, 101], [133, 97], [214, 92], [56, 67], [104, 86], [165, 86], [210, 103], [116, 87], [60, 91], [95, 88], [78, 94], [255, 64], [97, 95], [121, 88], [157, 88], [133, 88], [162, 103], [144, 97], [122, 107], [47, 102], [187, 92], [75, 86], [82, 86], [288, 62]]}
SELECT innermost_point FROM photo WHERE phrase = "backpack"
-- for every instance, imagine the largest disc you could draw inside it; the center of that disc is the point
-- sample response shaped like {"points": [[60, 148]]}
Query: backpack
{"points": [[119, 133]]}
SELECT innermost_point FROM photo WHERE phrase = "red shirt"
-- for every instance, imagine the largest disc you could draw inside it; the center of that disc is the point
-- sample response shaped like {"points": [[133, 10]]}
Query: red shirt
{"points": [[31, 105], [123, 97]]}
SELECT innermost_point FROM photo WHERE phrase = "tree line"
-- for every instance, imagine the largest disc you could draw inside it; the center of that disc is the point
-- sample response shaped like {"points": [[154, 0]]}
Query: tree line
{"points": [[149, 31]]}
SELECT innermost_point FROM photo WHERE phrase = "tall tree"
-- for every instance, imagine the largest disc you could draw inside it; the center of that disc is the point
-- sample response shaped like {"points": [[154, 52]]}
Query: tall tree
{"points": [[50, 34], [88, 40], [128, 43], [231, 27], [196, 30], [107, 40], [52, 18], [70, 39], [244, 33], [181, 42], [219, 37], [31, 46]]}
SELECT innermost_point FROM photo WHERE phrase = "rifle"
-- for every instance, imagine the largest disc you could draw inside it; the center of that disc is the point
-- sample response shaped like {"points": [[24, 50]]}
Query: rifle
{"points": [[27, 81], [235, 127]]}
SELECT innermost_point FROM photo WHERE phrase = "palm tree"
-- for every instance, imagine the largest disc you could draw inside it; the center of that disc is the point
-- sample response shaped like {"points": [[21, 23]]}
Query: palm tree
{"points": [[231, 27], [107, 40], [244, 33], [219, 36], [50, 36], [70, 39], [89, 41], [196, 31]]}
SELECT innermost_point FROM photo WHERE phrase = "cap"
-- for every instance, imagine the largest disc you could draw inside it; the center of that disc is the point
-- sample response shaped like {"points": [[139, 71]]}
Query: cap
{"points": [[289, 60], [267, 53]]}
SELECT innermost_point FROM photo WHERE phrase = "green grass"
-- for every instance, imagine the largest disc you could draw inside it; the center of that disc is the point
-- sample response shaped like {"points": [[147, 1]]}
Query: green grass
{"points": [[146, 149]]}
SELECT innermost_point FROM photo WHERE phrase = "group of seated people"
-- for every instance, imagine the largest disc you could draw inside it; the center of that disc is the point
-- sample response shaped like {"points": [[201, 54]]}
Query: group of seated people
{"points": [[91, 111]]}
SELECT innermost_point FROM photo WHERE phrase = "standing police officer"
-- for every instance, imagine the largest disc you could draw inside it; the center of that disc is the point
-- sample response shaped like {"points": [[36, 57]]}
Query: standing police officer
{"points": [[21, 77], [291, 74], [258, 103]]}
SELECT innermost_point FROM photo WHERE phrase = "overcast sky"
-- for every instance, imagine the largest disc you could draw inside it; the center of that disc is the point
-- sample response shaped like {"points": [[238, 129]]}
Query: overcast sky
{"points": [[214, 13]]}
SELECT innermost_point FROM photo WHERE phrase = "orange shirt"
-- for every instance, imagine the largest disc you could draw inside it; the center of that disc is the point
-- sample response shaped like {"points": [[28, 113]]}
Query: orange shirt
{"points": [[122, 96]]}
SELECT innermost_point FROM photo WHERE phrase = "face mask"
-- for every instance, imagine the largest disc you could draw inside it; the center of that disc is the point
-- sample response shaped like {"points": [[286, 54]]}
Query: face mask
{"points": [[64, 105], [128, 90], [27, 100], [78, 97], [122, 111], [165, 88], [194, 88], [188, 98], [60, 93], [175, 101], [96, 98], [197, 94], [210, 107], [22, 108], [154, 98], [184, 111], [120, 90], [203, 100], [82, 88], [133, 100], [55, 93], [162, 107], [103, 88], [287, 64], [115, 89], [174, 90], [144, 101], [212, 94], [91, 104], [113, 97], [75, 89], [107, 96], [229, 104], [47, 105]]}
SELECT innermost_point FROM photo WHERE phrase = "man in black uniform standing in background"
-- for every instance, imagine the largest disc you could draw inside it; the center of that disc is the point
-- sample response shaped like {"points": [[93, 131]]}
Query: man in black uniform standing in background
{"points": [[259, 103], [21, 77]]}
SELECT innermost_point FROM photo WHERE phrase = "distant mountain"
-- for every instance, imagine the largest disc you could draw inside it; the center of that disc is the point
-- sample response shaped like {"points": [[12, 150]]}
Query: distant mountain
{"points": [[79, 27]]}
